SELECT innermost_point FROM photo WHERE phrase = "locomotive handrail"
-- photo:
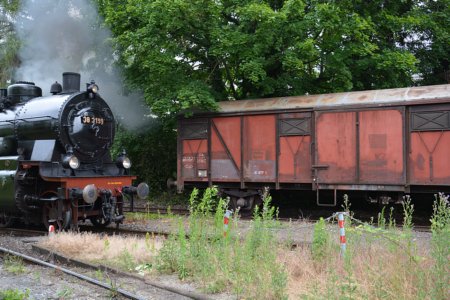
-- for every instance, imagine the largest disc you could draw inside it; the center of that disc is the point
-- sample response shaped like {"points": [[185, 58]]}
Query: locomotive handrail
{"points": [[27, 119], [34, 118]]}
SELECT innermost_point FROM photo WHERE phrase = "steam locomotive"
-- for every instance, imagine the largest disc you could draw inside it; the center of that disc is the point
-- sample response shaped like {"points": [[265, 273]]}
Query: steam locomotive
{"points": [[55, 164]]}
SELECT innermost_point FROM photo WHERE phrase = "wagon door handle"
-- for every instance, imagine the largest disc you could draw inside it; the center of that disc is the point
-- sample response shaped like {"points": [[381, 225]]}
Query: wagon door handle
{"points": [[323, 167]]}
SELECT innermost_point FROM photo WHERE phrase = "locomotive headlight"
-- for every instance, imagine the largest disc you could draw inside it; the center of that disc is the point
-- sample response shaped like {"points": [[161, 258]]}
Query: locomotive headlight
{"points": [[74, 162], [126, 163], [123, 162], [71, 161], [92, 87]]}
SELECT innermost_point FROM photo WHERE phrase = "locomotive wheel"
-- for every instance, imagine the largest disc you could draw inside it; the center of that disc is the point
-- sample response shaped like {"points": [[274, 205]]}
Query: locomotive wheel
{"points": [[99, 222], [50, 216], [6, 220]]}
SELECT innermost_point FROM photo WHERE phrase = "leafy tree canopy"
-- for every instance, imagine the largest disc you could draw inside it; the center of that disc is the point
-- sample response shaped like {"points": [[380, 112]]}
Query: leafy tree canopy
{"points": [[191, 53], [9, 43]]}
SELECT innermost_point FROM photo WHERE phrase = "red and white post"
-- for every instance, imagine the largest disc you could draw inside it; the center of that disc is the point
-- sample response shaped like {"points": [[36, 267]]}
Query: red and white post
{"points": [[342, 232], [226, 219], [51, 230]]}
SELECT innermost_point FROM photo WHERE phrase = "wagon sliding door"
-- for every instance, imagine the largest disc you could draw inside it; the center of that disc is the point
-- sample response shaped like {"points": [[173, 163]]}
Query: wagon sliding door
{"points": [[360, 147], [294, 158], [430, 144], [259, 148], [194, 150], [226, 149], [335, 147], [381, 151], [243, 149]]}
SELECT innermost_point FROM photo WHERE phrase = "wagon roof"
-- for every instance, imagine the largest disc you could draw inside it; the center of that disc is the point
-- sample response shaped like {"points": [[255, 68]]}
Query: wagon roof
{"points": [[387, 97]]}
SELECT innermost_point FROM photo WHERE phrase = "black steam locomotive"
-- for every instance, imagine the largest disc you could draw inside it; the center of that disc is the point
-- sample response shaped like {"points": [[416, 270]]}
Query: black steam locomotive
{"points": [[55, 165]]}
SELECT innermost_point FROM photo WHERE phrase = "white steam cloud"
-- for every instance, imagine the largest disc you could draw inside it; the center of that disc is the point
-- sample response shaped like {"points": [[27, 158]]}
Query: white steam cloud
{"points": [[65, 36]]}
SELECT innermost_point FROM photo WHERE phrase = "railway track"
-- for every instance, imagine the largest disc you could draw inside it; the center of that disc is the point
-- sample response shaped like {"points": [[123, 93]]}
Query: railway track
{"points": [[156, 210], [22, 232], [83, 269], [313, 218], [77, 275]]}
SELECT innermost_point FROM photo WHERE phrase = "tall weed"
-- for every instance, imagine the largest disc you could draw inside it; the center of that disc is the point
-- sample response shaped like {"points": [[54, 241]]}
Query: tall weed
{"points": [[321, 241], [247, 265], [440, 247]]}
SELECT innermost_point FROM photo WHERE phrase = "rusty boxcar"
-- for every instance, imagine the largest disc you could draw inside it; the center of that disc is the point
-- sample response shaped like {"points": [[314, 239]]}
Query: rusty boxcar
{"points": [[383, 142]]}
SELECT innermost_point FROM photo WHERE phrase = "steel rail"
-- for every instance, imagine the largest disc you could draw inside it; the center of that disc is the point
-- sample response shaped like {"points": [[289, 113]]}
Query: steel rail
{"points": [[72, 273]]}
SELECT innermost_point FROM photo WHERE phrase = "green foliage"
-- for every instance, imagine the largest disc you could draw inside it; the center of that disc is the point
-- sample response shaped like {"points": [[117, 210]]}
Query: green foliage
{"points": [[408, 210], [98, 274], [440, 242], [106, 244], [9, 42], [381, 218], [391, 218], [126, 261], [14, 264], [348, 212], [431, 47], [321, 241], [114, 289], [65, 293], [14, 294], [246, 266], [189, 54], [152, 153]]}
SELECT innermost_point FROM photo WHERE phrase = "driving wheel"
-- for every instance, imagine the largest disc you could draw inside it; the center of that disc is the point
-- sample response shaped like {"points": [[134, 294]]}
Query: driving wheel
{"points": [[99, 222], [50, 216], [5, 220]]}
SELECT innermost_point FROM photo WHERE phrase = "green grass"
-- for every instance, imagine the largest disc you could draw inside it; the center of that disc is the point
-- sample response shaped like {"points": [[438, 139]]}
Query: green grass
{"points": [[13, 264], [14, 294]]}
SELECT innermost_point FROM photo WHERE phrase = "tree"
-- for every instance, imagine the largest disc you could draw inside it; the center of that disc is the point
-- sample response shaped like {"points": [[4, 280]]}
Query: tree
{"points": [[433, 44], [9, 43], [191, 53]]}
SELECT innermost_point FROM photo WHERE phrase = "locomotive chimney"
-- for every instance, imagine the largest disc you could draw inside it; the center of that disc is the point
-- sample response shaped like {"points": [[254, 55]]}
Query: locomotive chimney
{"points": [[71, 82], [3, 93]]}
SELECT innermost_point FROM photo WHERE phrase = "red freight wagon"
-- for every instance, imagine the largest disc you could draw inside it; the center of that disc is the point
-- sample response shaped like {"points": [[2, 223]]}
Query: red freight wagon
{"points": [[384, 142]]}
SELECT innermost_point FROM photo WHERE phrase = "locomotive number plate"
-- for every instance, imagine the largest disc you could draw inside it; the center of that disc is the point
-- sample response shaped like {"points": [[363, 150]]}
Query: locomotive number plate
{"points": [[92, 120]]}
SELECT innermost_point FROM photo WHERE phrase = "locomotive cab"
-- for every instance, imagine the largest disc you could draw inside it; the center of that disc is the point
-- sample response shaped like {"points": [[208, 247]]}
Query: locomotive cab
{"points": [[55, 159]]}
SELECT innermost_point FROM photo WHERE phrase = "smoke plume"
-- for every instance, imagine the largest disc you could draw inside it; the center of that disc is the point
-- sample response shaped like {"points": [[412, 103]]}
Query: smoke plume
{"points": [[66, 36]]}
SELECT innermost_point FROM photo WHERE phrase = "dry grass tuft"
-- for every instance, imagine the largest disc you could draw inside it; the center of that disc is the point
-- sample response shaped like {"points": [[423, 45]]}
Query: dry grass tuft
{"points": [[371, 271], [118, 251]]}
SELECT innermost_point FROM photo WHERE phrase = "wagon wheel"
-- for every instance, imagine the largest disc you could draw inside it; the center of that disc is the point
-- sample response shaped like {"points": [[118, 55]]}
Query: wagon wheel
{"points": [[50, 216], [245, 211], [6, 220], [99, 221]]}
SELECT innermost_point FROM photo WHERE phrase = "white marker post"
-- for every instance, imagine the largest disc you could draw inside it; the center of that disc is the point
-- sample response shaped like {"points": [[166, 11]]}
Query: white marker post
{"points": [[342, 233], [51, 230], [226, 219]]}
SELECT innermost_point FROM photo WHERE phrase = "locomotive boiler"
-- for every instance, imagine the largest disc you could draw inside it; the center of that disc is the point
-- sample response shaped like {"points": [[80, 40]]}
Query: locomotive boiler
{"points": [[380, 144], [55, 164]]}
